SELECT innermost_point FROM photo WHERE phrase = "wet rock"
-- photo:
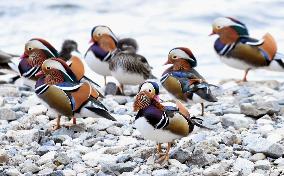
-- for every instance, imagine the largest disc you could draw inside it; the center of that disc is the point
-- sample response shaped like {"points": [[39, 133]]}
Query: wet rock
{"points": [[244, 166], [3, 156], [7, 114], [236, 120], [259, 109]]}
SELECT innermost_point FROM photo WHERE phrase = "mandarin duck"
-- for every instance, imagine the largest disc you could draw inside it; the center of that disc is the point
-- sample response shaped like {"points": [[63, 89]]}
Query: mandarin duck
{"points": [[238, 50], [159, 123], [104, 43], [38, 50], [60, 90], [128, 67], [183, 81]]}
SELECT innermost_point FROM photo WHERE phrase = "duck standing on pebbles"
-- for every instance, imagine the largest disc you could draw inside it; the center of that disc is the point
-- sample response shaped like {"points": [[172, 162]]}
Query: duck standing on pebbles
{"points": [[162, 124], [183, 81], [61, 91], [104, 44], [238, 50], [128, 67]]}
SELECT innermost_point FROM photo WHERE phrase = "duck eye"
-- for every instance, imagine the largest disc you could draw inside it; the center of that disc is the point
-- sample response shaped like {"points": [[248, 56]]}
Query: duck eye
{"points": [[174, 57], [29, 48], [218, 27], [48, 68], [99, 34], [150, 90]]}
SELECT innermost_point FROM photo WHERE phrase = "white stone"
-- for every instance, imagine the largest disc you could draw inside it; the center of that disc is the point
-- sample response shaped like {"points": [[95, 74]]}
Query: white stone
{"points": [[79, 168], [244, 166], [37, 110], [257, 156], [262, 164], [216, 169], [25, 136], [46, 157], [69, 172], [13, 172], [236, 120], [114, 130]]}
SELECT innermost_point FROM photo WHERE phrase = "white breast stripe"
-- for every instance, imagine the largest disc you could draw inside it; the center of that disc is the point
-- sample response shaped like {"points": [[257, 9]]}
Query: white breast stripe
{"points": [[223, 50], [230, 48]]}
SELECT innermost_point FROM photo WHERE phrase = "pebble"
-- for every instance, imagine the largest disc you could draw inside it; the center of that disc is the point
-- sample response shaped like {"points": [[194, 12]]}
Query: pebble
{"points": [[7, 114], [244, 166], [236, 145]]}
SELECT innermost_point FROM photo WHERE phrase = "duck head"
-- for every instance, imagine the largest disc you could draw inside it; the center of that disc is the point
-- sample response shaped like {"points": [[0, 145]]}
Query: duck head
{"points": [[148, 93], [229, 29], [35, 53], [101, 31], [181, 57], [56, 71]]}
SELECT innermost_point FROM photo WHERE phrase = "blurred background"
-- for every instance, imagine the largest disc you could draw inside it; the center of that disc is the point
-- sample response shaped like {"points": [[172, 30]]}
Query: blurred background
{"points": [[157, 26]]}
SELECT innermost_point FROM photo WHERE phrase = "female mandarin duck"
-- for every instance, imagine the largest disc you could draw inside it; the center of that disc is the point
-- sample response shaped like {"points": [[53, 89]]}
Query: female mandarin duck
{"points": [[183, 81], [104, 44], [59, 88], [128, 67], [38, 50], [237, 49], [162, 124]]}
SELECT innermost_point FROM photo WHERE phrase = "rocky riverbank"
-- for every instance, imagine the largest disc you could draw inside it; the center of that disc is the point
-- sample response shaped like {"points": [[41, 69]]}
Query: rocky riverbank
{"points": [[247, 137]]}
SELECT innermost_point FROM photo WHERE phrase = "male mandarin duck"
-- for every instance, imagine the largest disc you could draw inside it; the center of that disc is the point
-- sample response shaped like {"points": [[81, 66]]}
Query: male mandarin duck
{"points": [[38, 50], [238, 50], [183, 81], [159, 123], [60, 90], [104, 43], [128, 67]]}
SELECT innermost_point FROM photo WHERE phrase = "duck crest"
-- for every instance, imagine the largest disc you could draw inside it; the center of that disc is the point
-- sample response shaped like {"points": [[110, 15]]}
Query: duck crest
{"points": [[53, 51]]}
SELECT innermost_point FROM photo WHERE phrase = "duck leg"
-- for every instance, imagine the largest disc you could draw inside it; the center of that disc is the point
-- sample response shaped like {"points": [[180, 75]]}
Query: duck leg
{"points": [[57, 125], [162, 160], [74, 121], [245, 76], [105, 80], [202, 109], [159, 149], [70, 124], [121, 88]]}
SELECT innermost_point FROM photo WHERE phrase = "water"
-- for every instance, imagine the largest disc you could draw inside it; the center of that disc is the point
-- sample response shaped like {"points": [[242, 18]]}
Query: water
{"points": [[157, 26]]}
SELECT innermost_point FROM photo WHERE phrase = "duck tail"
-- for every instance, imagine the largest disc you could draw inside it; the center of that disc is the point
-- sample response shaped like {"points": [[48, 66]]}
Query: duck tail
{"points": [[277, 64]]}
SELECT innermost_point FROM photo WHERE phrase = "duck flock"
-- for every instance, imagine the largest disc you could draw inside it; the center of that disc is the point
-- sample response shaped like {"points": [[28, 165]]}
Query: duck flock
{"points": [[65, 82]]}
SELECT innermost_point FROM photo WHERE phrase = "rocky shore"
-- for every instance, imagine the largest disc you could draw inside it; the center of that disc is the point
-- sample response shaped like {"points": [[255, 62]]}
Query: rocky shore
{"points": [[246, 137]]}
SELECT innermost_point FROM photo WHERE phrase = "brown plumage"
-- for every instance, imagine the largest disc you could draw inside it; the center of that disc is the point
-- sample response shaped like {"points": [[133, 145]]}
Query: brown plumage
{"points": [[106, 42]]}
